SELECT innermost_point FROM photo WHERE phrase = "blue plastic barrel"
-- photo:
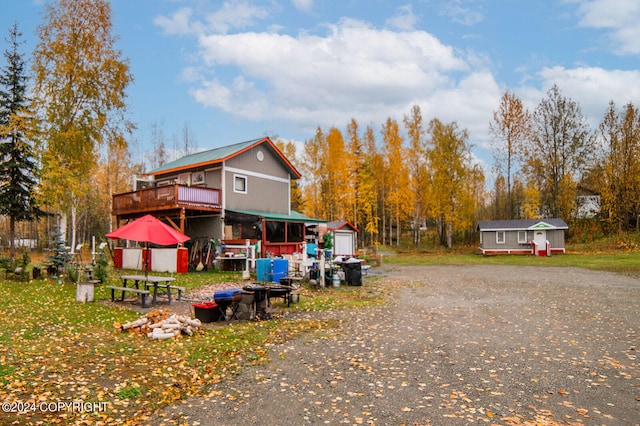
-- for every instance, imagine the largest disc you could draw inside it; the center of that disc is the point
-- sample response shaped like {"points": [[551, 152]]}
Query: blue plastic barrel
{"points": [[263, 270], [280, 269]]}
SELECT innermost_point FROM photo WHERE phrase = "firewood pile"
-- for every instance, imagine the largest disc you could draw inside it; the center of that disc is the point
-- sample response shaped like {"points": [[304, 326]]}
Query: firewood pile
{"points": [[159, 325]]}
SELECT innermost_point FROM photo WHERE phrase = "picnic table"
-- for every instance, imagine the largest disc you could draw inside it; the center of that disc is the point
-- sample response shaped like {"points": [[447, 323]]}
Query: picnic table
{"points": [[147, 282]]}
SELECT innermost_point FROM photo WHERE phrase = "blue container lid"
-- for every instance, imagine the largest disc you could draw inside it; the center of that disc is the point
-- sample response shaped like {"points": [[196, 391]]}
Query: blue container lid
{"points": [[226, 294]]}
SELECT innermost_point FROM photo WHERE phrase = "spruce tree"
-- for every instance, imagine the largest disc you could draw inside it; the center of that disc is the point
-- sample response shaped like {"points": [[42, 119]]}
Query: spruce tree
{"points": [[17, 164]]}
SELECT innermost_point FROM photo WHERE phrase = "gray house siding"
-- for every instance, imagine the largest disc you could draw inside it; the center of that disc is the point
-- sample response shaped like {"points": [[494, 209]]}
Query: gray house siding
{"points": [[556, 238], [247, 181], [261, 194], [269, 165], [213, 178], [501, 236], [267, 182], [489, 241]]}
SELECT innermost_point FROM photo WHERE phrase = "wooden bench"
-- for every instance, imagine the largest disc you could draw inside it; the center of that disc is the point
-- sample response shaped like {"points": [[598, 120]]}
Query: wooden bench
{"points": [[168, 287], [180, 291], [143, 293]]}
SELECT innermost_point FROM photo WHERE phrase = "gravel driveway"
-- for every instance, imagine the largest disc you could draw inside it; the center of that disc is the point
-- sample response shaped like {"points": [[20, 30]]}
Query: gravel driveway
{"points": [[457, 345]]}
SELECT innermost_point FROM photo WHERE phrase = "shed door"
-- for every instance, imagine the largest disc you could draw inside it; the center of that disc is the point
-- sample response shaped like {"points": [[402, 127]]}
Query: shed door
{"points": [[541, 240], [343, 243]]}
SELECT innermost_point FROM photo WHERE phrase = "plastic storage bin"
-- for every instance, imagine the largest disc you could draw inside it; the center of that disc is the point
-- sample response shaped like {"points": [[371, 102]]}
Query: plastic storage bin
{"points": [[207, 312]]}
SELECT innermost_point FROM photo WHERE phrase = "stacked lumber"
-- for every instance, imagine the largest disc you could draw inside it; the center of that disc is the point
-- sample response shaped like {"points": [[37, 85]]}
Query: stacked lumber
{"points": [[160, 326]]}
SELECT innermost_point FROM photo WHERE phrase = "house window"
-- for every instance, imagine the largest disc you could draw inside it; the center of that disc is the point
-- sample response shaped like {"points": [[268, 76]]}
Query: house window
{"points": [[197, 178], [522, 237], [184, 178], [240, 184], [500, 237]]}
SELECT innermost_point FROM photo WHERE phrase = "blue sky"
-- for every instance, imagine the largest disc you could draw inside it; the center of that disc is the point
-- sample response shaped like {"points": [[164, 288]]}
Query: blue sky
{"points": [[238, 69]]}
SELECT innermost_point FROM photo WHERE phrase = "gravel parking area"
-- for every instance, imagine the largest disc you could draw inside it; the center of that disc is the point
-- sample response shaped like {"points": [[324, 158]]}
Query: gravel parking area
{"points": [[500, 345]]}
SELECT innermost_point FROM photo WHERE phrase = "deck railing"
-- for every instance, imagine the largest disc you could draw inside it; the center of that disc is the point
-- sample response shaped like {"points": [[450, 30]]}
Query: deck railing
{"points": [[166, 197]]}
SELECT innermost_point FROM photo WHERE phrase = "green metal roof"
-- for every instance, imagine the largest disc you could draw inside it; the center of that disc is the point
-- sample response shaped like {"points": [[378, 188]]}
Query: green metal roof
{"points": [[209, 156], [293, 217]]}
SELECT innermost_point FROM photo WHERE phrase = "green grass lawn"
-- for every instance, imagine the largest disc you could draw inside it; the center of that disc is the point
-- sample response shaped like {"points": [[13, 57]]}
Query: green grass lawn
{"points": [[613, 261], [54, 349]]}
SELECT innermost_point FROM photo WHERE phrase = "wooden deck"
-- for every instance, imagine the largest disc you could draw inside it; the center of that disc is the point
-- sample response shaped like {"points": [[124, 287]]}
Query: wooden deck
{"points": [[168, 197]]}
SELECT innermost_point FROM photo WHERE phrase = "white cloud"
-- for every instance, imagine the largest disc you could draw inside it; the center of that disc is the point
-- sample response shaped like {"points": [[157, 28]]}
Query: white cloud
{"points": [[404, 20], [594, 87], [178, 24], [233, 14], [353, 68], [462, 11], [353, 71], [303, 5], [621, 17]]}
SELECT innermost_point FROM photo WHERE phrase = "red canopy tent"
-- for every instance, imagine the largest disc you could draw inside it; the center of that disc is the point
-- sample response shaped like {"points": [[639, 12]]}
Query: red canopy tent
{"points": [[149, 229]]}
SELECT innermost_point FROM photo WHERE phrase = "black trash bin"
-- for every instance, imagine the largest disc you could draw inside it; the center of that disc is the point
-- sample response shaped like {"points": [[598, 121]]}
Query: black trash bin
{"points": [[353, 273]]}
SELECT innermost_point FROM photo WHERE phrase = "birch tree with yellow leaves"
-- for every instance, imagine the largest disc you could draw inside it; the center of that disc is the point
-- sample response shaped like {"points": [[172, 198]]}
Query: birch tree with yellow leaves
{"points": [[336, 188], [288, 148], [620, 163], [370, 188], [353, 182], [80, 80], [454, 180], [314, 162], [509, 131], [398, 196], [418, 170]]}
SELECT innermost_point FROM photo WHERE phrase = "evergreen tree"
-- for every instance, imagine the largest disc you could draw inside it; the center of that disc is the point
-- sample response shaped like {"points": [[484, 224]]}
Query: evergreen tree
{"points": [[17, 164]]}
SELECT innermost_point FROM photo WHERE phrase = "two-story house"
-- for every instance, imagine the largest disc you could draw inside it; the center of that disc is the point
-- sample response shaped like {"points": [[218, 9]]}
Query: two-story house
{"points": [[233, 193]]}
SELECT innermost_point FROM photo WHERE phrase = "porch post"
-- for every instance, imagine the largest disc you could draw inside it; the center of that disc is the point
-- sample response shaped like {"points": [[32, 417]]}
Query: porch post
{"points": [[182, 220], [263, 252]]}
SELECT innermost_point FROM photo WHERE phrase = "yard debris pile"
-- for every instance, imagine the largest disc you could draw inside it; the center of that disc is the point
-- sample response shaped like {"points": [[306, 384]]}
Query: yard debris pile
{"points": [[159, 325]]}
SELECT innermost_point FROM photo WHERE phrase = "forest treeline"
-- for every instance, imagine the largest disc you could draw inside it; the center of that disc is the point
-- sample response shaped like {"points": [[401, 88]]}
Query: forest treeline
{"points": [[67, 141], [418, 175]]}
